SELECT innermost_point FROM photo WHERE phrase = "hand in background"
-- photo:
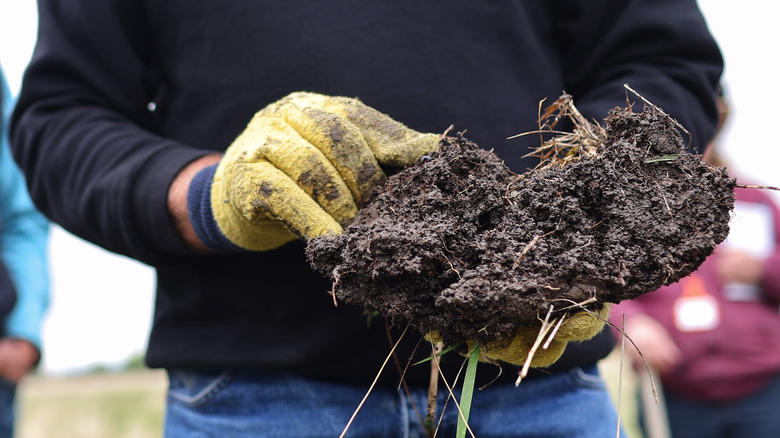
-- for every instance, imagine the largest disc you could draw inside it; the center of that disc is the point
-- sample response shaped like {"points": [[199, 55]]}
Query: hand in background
{"points": [[17, 358], [738, 267], [659, 350]]}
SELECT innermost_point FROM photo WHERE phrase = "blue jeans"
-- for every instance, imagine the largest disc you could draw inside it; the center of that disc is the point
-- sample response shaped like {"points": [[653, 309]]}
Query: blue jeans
{"points": [[246, 403], [756, 416], [7, 408]]}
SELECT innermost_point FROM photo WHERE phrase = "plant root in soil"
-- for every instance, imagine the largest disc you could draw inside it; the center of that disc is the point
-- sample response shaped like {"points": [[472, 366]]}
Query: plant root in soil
{"points": [[458, 245]]}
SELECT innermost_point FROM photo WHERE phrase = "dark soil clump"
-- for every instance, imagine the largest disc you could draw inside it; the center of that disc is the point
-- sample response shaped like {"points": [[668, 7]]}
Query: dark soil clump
{"points": [[460, 245]]}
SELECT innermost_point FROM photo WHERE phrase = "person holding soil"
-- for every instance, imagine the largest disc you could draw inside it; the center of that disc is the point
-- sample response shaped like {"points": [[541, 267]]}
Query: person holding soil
{"points": [[210, 140], [713, 337], [24, 276]]}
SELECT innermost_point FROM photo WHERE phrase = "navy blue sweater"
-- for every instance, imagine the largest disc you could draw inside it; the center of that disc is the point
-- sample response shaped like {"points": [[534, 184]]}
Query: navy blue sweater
{"points": [[121, 94]]}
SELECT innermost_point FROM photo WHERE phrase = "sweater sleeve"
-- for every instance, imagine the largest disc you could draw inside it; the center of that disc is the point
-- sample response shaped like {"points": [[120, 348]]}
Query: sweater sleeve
{"points": [[23, 245], [83, 129], [662, 49]]}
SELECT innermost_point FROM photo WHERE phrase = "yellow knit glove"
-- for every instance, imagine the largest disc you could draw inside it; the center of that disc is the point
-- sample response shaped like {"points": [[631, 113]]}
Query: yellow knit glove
{"points": [[303, 167], [579, 327]]}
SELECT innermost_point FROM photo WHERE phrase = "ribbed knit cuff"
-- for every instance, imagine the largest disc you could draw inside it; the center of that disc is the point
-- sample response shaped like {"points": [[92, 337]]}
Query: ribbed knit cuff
{"points": [[202, 216]]}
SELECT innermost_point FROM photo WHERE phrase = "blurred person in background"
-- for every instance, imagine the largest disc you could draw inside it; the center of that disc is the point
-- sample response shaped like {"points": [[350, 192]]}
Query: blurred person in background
{"points": [[713, 338], [24, 275]]}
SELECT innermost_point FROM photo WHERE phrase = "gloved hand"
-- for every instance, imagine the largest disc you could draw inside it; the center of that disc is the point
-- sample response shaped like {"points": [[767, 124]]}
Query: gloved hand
{"points": [[579, 327], [301, 169]]}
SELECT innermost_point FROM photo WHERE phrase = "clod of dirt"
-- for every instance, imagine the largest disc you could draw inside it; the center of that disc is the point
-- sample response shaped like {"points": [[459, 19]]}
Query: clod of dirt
{"points": [[459, 245]]}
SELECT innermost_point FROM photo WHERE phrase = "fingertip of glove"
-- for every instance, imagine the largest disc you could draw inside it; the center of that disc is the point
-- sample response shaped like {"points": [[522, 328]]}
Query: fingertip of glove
{"points": [[517, 349], [583, 325]]}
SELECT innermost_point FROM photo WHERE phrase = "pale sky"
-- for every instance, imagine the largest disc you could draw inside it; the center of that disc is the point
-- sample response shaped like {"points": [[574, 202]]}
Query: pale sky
{"points": [[102, 303]]}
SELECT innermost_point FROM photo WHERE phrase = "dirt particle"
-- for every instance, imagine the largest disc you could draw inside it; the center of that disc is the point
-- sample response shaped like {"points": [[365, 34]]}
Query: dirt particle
{"points": [[319, 182], [265, 190], [368, 174]]}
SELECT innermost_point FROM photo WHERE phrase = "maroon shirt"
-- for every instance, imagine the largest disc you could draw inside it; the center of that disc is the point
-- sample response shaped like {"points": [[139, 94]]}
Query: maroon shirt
{"points": [[741, 352]]}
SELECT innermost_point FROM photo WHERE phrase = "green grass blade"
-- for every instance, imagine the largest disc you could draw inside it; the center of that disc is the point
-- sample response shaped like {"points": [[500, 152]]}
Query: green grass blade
{"points": [[429, 358], [468, 392], [661, 158]]}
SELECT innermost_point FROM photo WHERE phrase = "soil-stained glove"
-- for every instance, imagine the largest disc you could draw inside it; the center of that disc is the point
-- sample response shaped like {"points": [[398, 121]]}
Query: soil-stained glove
{"points": [[579, 327], [301, 169]]}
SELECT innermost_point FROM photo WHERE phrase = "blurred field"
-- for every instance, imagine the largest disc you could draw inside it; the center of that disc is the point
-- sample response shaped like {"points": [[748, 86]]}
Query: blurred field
{"points": [[104, 405]]}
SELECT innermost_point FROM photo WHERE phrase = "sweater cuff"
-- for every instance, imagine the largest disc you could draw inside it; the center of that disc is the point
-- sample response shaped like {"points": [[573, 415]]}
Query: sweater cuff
{"points": [[202, 216]]}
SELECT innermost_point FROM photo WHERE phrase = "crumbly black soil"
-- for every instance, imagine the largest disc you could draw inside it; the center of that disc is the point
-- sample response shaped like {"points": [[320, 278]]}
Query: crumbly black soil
{"points": [[458, 244]]}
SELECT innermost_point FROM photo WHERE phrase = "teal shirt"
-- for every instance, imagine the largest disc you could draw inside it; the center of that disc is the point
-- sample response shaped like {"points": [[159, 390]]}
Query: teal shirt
{"points": [[24, 236]]}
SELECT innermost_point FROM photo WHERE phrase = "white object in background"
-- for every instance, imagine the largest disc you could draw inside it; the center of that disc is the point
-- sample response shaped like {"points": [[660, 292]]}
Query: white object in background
{"points": [[751, 231]]}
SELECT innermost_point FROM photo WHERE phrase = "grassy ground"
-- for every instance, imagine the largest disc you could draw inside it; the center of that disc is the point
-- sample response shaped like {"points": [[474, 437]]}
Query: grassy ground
{"points": [[107, 405], [131, 404]]}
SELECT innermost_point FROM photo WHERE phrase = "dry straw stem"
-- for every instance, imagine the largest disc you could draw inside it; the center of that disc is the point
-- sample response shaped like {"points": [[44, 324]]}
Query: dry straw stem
{"points": [[550, 327], [433, 387], [626, 336], [750, 186], [457, 405], [547, 333], [647, 102], [547, 325], [402, 371], [449, 396], [564, 147], [373, 384], [529, 246], [620, 377]]}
